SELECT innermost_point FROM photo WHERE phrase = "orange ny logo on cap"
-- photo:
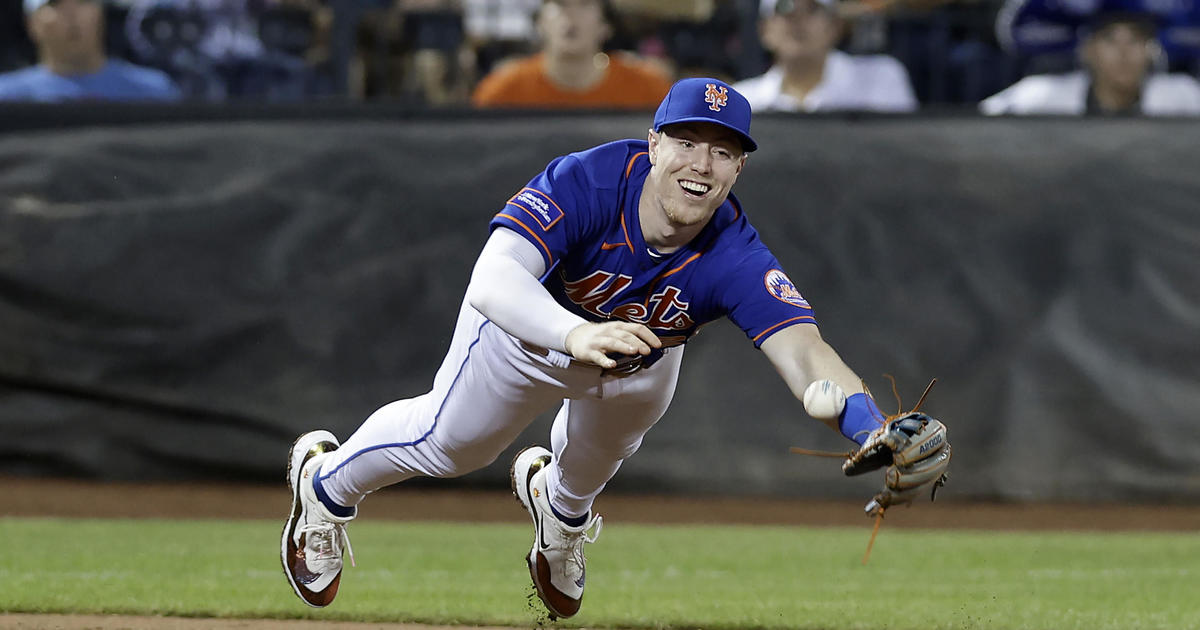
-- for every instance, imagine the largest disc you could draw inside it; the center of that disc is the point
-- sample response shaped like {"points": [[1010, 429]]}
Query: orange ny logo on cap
{"points": [[716, 97]]}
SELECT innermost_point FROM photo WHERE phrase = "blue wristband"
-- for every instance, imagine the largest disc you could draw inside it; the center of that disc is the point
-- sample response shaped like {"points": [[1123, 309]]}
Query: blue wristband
{"points": [[859, 418]]}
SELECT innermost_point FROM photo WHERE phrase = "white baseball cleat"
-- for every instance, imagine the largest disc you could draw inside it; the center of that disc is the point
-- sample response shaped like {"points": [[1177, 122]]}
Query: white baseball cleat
{"points": [[556, 561], [313, 538]]}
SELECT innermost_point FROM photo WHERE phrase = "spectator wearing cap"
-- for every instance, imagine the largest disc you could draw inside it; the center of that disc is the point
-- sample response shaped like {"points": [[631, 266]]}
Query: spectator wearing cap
{"points": [[1117, 50], [72, 64], [810, 75], [573, 70]]}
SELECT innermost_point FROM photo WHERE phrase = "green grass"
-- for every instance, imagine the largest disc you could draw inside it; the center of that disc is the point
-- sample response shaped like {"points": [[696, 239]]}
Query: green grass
{"points": [[638, 576]]}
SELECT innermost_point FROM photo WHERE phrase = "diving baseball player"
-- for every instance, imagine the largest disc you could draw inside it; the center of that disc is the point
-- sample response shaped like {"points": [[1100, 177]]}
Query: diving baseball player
{"points": [[595, 276]]}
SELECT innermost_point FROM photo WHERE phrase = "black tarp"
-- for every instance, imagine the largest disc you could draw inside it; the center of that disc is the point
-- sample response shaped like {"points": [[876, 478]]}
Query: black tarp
{"points": [[180, 299]]}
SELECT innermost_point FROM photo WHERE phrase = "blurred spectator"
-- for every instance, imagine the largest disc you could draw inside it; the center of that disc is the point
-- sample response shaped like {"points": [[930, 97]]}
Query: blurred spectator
{"points": [[1118, 52], [228, 48], [440, 69], [810, 75], [499, 29], [949, 49], [72, 63], [415, 52], [689, 38], [572, 70]]}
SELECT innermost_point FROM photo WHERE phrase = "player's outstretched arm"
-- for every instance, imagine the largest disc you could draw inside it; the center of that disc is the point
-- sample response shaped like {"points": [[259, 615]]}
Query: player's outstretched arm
{"points": [[913, 447], [801, 357]]}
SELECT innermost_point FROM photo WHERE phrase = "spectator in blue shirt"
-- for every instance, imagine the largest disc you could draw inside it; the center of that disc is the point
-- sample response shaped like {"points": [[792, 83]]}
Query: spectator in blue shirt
{"points": [[72, 64]]}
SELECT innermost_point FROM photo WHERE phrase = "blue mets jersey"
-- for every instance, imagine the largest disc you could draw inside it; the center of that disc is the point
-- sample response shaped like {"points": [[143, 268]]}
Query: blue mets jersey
{"points": [[582, 214]]}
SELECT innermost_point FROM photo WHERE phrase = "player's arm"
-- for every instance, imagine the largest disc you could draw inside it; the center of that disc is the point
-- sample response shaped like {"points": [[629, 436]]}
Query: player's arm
{"points": [[801, 356], [506, 287]]}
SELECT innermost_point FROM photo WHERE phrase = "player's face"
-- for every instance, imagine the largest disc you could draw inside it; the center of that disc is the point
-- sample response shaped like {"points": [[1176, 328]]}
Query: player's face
{"points": [[694, 167], [572, 27], [1119, 55], [69, 30]]}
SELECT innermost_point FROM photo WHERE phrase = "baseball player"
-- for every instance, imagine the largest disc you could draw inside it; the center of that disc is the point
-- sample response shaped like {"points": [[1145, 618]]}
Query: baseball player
{"points": [[594, 277]]}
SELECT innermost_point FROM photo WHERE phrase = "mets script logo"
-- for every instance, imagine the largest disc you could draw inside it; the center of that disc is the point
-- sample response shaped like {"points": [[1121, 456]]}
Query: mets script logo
{"points": [[663, 310], [779, 286], [716, 97]]}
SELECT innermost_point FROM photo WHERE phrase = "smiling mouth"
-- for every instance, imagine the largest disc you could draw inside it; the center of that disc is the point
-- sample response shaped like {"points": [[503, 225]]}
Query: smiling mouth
{"points": [[694, 189]]}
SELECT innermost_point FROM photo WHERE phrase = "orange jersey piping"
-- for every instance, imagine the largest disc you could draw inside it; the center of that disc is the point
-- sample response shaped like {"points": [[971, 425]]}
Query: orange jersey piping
{"points": [[786, 321], [549, 257], [629, 167], [561, 214]]}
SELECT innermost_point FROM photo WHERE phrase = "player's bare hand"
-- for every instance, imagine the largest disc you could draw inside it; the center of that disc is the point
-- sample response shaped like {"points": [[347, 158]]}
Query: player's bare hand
{"points": [[593, 343]]}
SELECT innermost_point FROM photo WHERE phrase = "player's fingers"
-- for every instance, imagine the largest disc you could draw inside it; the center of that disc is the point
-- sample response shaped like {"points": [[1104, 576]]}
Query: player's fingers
{"points": [[614, 345], [646, 335], [640, 331], [629, 343], [597, 357]]}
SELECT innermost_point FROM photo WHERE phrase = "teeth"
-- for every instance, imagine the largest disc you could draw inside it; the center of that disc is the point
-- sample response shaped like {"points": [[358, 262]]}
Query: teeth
{"points": [[694, 187]]}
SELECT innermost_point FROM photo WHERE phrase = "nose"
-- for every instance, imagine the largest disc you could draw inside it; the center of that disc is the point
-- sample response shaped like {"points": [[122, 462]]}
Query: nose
{"points": [[702, 162]]}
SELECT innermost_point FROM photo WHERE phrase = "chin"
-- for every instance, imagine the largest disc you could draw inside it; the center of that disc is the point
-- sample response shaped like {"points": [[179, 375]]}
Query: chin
{"points": [[688, 214]]}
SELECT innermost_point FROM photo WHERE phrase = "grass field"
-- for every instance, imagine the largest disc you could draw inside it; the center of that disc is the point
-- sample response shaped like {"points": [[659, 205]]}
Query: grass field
{"points": [[639, 576]]}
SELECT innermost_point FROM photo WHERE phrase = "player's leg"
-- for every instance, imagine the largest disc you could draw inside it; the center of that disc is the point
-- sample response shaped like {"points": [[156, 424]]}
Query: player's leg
{"points": [[486, 391], [593, 433], [593, 436]]}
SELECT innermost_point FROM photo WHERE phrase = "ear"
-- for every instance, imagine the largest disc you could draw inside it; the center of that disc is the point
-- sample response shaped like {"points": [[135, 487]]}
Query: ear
{"points": [[742, 162], [652, 138], [1158, 57], [606, 33]]}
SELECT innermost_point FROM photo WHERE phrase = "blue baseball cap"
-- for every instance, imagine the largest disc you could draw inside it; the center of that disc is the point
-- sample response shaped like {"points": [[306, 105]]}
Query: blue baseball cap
{"points": [[707, 100]]}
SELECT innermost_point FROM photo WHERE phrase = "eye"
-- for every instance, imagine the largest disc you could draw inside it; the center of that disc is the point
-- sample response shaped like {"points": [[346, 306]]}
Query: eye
{"points": [[723, 154], [687, 144]]}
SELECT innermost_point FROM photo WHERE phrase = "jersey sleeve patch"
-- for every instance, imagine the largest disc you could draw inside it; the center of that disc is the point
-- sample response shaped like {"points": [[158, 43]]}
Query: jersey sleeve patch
{"points": [[537, 205], [781, 288]]}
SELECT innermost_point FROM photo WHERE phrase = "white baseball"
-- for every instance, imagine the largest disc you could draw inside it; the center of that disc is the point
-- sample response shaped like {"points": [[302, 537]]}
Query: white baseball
{"points": [[824, 400]]}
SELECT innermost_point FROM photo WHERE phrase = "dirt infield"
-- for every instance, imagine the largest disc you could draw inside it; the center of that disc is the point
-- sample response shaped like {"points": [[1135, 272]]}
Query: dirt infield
{"points": [[79, 499], [126, 622]]}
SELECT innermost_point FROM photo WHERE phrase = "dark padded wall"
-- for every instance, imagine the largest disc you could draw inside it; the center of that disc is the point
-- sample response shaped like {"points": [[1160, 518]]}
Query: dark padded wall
{"points": [[179, 300]]}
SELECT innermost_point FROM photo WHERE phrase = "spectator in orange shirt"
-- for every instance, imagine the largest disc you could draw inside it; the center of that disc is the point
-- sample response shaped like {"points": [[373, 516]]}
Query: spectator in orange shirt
{"points": [[572, 70]]}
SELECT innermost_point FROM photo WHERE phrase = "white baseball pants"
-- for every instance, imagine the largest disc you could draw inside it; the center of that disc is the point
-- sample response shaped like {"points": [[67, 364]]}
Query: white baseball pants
{"points": [[489, 388]]}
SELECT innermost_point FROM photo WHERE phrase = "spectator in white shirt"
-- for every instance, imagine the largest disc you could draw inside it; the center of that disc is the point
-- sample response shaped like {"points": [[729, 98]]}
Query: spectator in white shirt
{"points": [[1117, 78], [810, 75], [499, 30]]}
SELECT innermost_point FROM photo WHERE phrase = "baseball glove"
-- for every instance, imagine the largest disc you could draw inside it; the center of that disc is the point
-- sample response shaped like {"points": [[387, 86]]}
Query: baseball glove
{"points": [[916, 453]]}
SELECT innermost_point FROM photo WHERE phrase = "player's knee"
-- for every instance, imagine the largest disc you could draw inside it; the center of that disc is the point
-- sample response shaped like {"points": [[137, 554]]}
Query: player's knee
{"points": [[629, 449]]}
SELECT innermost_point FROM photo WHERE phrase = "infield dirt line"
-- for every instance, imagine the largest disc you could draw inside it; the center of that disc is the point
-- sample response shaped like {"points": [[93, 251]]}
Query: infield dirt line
{"points": [[88, 499], [23, 621]]}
